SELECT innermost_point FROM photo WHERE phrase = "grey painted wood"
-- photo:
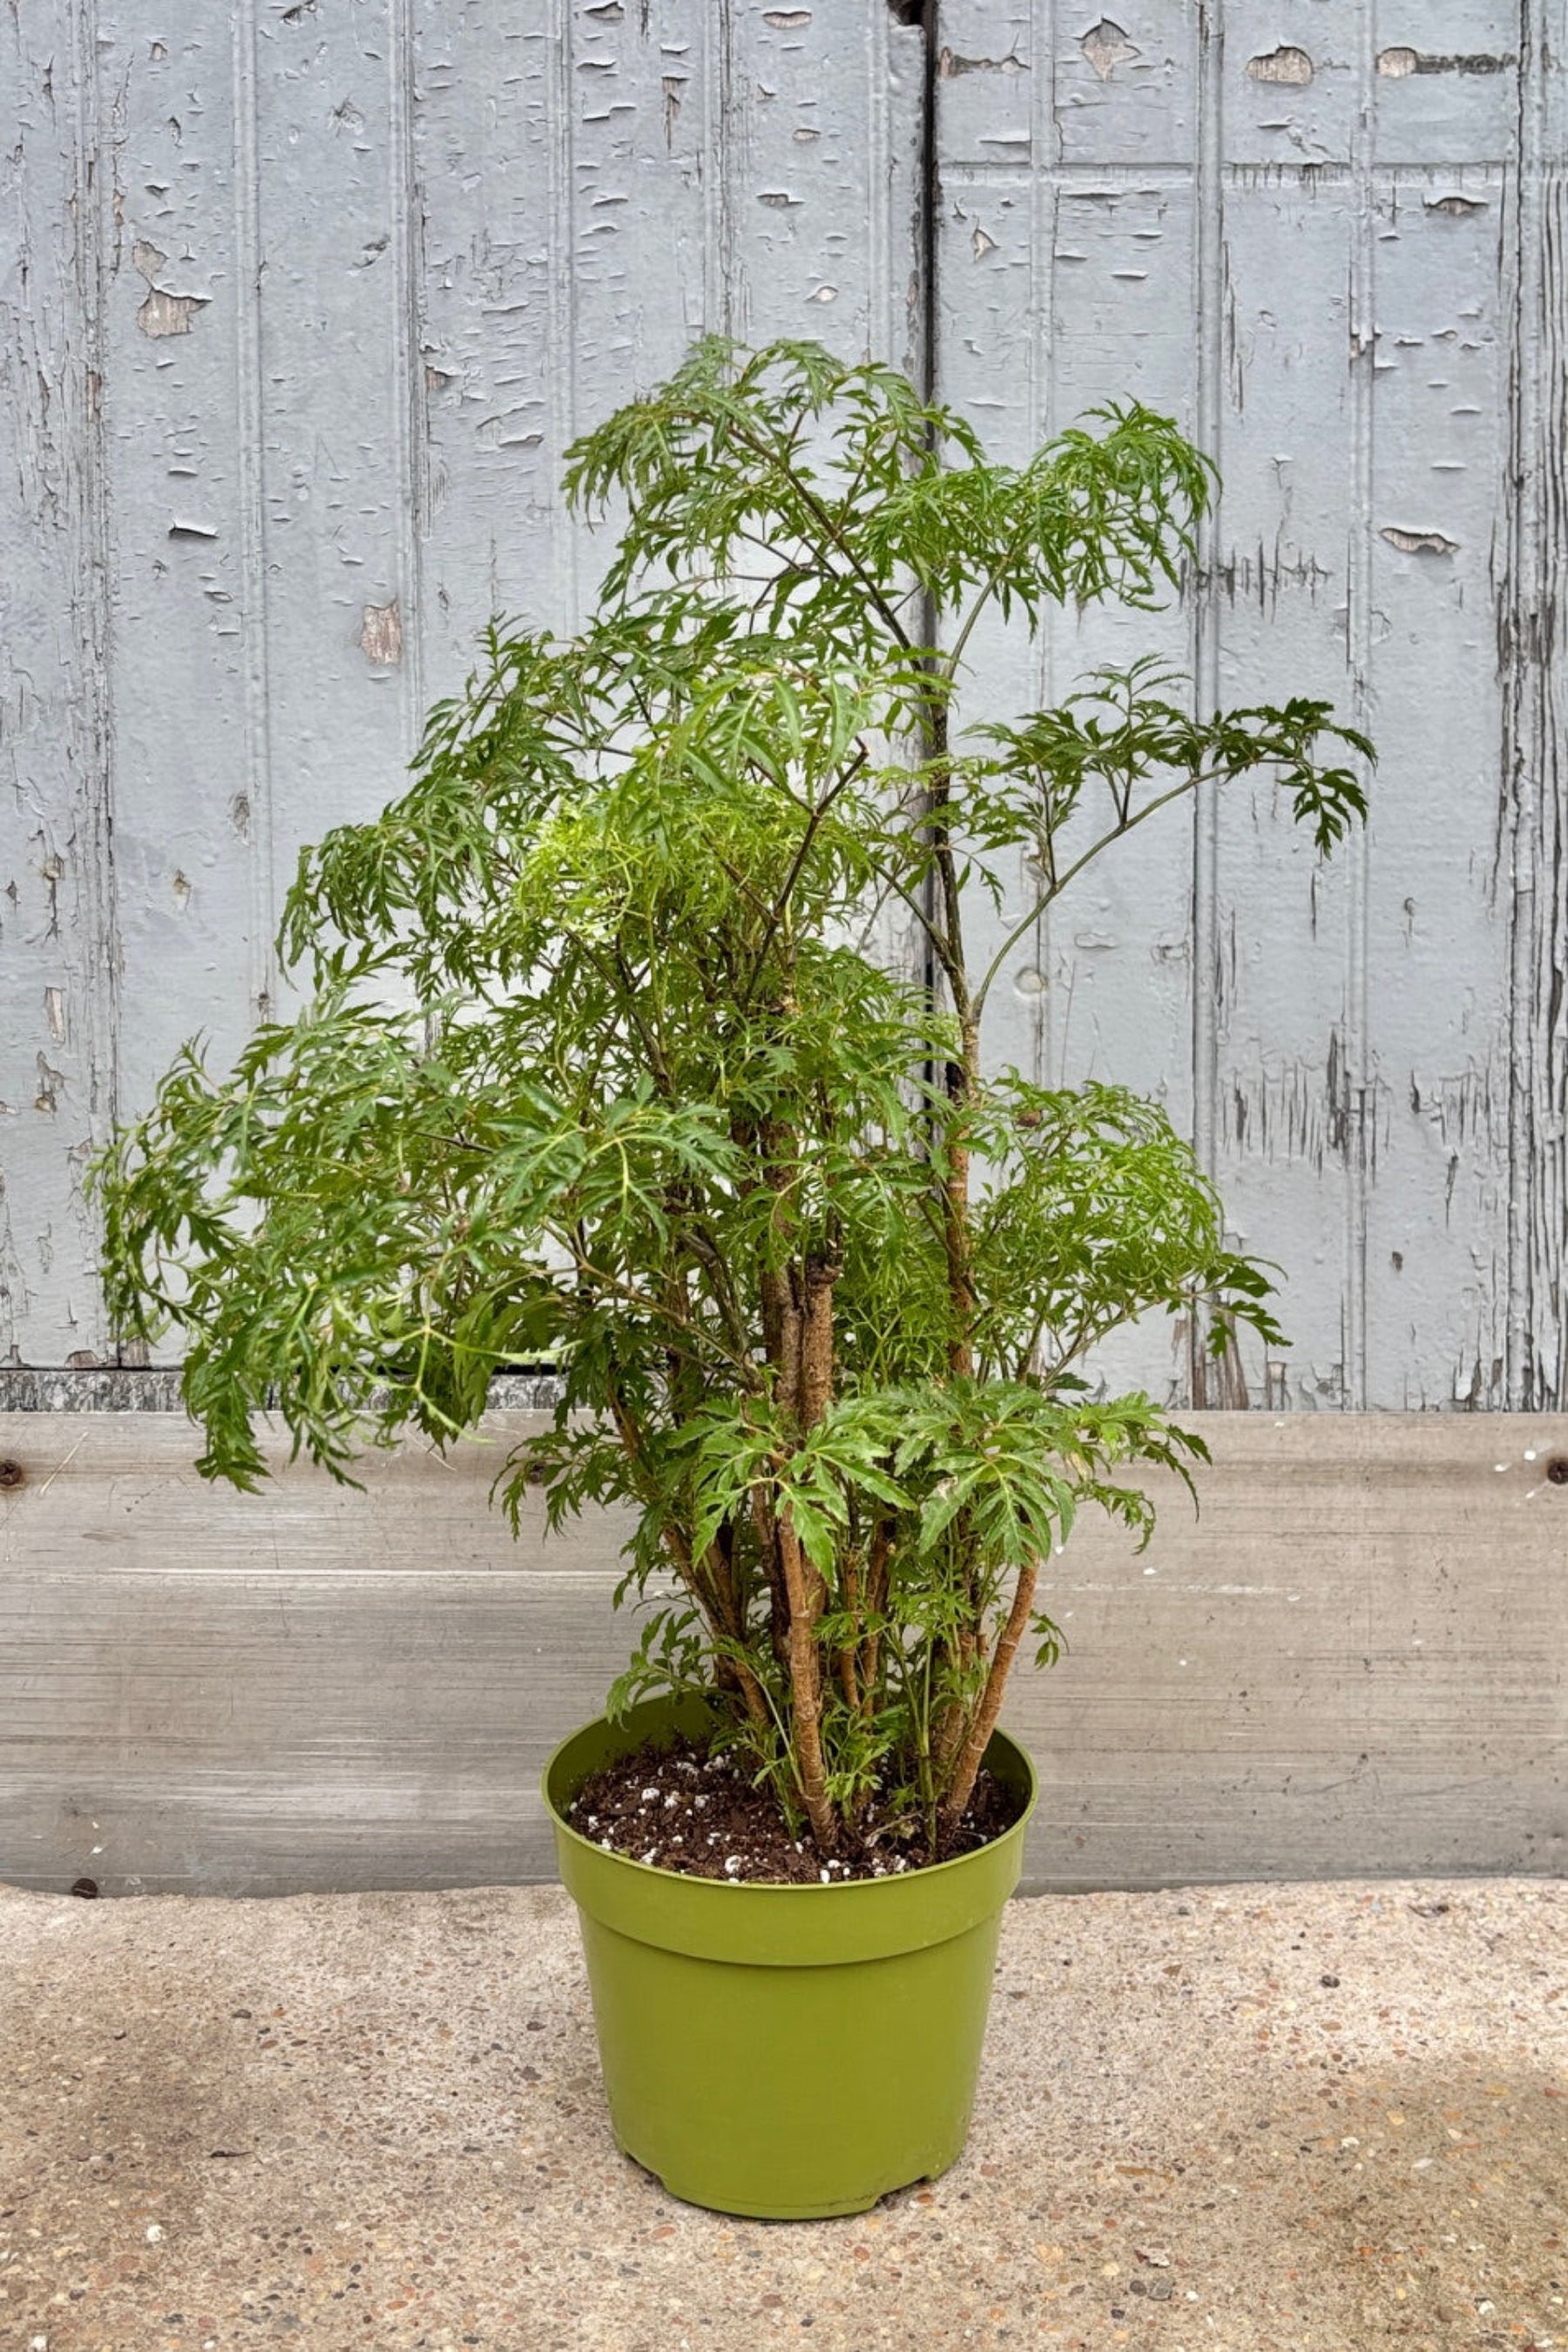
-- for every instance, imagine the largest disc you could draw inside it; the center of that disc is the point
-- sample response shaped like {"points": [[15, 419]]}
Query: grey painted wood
{"points": [[59, 996], [1349, 1664], [1329, 240], [299, 309]]}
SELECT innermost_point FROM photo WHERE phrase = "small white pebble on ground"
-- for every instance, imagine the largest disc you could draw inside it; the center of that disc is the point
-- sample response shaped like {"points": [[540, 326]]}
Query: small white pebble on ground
{"points": [[154, 2231]]}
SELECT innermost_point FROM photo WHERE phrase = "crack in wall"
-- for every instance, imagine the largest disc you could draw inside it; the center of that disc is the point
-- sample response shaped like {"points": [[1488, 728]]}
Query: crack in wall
{"points": [[1535, 805]]}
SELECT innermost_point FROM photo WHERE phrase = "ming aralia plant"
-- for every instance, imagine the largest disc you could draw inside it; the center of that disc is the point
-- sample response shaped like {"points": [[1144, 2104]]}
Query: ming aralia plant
{"points": [[598, 1066]]}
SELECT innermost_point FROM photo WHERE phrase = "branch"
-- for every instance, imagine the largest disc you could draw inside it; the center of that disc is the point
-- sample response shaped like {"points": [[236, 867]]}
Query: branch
{"points": [[652, 1306], [966, 627], [818, 811], [772, 457], [1059, 882], [806, 1591], [962, 1787]]}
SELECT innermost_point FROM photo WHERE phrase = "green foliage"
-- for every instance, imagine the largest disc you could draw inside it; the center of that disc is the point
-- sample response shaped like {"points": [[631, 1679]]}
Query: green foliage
{"points": [[596, 1068]]}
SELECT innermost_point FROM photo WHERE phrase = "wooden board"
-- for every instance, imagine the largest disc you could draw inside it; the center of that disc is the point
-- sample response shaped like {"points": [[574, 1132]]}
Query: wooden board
{"points": [[1352, 1663], [1314, 232], [299, 309]]}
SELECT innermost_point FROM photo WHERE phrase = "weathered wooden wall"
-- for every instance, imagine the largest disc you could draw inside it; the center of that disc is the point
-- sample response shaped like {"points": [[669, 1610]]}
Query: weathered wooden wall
{"points": [[1328, 234], [1351, 1664], [300, 305]]}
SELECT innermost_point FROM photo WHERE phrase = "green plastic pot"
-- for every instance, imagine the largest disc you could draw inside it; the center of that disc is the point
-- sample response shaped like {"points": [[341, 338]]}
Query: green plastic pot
{"points": [[784, 2052]]}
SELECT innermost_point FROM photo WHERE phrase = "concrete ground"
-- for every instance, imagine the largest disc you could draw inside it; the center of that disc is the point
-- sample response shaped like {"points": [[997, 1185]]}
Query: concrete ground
{"points": [[1244, 2120]]}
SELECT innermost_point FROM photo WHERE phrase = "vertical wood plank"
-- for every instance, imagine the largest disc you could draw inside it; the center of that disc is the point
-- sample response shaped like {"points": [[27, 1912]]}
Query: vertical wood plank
{"points": [[187, 676], [1437, 1233], [484, 120], [1534, 739], [1338, 183], [1284, 617], [1290, 1002], [340, 616], [57, 973], [1068, 255]]}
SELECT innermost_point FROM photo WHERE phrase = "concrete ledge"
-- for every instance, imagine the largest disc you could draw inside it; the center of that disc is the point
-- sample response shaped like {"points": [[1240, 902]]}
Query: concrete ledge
{"points": [[1352, 1663]]}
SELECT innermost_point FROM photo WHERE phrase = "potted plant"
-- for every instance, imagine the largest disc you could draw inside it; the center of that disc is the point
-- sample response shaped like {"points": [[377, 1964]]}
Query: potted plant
{"points": [[600, 1066]]}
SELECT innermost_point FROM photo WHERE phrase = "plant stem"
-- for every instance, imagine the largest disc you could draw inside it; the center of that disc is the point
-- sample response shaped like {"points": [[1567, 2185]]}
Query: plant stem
{"points": [[846, 1656], [775, 915], [1058, 882], [962, 1786], [876, 1602], [807, 1593], [962, 1074]]}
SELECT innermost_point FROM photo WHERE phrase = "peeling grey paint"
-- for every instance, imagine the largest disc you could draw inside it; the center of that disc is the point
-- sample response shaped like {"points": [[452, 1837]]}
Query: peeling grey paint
{"points": [[57, 912], [162, 313], [381, 634], [1419, 543], [1396, 63], [1106, 46], [1348, 283], [948, 65], [299, 307], [1286, 64]]}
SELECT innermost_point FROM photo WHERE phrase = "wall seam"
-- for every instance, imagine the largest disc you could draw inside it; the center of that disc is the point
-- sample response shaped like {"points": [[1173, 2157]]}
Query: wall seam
{"points": [[1209, 256], [1531, 758], [92, 800], [561, 344], [251, 466], [719, 270], [413, 447], [1044, 213], [1360, 1094]]}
